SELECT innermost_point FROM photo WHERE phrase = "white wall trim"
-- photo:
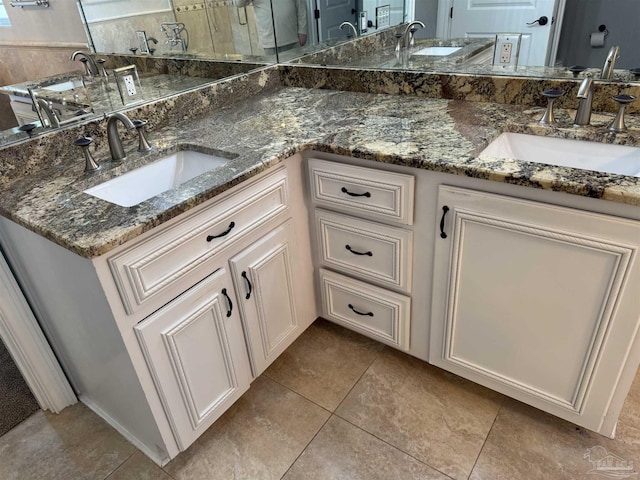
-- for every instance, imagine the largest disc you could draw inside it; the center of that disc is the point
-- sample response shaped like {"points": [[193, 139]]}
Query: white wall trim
{"points": [[158, 459], [22, 44], [29, 348]]}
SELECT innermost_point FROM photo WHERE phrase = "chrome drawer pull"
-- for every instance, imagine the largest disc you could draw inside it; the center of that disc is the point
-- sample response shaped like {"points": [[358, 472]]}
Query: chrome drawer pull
{"points": [[368, 314], [348, 247], [365, 194], [226, 232]]}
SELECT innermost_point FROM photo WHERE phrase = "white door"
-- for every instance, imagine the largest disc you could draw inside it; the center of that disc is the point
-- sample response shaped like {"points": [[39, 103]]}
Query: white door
{"points": [[538, 302], [331, 14], [195, 350], [485, 18], [264, 277]]}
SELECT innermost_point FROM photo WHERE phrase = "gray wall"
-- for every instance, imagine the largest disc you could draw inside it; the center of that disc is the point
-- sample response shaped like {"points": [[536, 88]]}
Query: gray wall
{"points": [[427, 13], [622, 18]]}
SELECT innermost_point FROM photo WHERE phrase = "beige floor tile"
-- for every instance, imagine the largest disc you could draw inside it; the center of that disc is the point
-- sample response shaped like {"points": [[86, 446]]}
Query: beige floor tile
{"points": [[434, 416], [628, 429], [138, 467], [528, 444], [324, 363], [75, 444], [342, 451], [259, 437]]}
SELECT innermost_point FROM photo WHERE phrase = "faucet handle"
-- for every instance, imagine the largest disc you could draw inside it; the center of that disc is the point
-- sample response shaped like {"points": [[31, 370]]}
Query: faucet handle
{"points": [[617, 125], [576, 70], [551, 95], [90, 165], [143, 143]]}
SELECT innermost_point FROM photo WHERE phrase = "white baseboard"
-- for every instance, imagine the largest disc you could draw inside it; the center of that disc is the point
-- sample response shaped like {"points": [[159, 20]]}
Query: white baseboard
{"points": [[153, 455]]}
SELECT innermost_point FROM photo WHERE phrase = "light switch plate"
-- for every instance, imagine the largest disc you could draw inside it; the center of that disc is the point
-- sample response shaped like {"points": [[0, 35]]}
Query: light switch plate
{"points": [[383, 16], [506, 50]]}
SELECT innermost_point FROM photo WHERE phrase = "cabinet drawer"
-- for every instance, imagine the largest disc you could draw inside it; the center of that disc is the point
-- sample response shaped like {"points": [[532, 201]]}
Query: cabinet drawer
{"points": [[166, 264], [372, 311], [364, 191], [366, 250]]}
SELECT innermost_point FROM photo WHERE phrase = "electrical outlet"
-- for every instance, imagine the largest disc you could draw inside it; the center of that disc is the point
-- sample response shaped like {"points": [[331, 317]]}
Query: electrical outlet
{"points": [[130, 85], [507, 49], [383, 16], [505, 52]]}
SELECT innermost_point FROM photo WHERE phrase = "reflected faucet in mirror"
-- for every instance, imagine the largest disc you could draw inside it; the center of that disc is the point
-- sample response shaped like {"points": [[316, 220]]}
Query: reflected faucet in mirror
{"points": [[353, 29], [47, 108], [410, 30], [609, 63], [174, 31], [90, 66]]}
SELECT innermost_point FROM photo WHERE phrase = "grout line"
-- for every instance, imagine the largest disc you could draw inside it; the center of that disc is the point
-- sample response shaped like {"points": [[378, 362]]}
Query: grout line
{"points": [[486, 438], [394, 446], [123, 462], [358, 380], [292, 390], [307, 445]]}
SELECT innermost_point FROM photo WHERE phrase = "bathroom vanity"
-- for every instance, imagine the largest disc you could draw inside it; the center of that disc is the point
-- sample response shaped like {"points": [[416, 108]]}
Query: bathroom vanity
{"points": [[162, 313]]}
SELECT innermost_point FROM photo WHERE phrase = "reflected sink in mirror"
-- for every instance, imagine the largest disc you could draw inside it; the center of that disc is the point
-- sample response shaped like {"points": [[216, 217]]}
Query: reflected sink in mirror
{"points": [[160, 176], [62, 86], [437, 51], [600, 157]]}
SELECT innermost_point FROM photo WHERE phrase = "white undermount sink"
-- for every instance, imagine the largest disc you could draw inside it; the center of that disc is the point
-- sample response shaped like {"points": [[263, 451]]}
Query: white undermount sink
{"points": [[160, 176], [601, 157], [437, 51]]}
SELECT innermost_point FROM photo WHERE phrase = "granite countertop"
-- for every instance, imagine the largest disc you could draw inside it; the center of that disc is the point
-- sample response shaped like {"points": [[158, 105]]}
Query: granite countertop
{"points": [[434, 134]]}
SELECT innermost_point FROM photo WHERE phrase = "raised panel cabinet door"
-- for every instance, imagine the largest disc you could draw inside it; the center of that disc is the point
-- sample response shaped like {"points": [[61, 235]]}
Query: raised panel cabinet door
{"points": [[195, 350], [537, 301], [264, 276]]}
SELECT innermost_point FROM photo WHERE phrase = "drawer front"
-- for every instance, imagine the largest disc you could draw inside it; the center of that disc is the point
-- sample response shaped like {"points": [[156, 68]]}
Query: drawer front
{"points": [[364, 191], [169, 261], [372, 311], [366, 250]]}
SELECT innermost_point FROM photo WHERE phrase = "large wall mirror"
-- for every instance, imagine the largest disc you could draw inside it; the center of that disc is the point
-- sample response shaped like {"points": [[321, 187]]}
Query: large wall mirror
{"points": [[546, 37]]}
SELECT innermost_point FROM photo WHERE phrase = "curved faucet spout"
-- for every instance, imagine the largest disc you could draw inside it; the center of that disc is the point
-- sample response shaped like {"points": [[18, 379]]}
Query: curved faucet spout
{"points": [[411, 29], [349, 25], [54, 121], [92, 68], [115, 144]]}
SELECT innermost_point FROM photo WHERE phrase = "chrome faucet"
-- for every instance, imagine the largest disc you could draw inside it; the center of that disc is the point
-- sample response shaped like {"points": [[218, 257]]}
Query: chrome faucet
{"points": [[609, 63], [585, 94], [54, 121], [409, 29], [90, 66], [115, 144], [350, 25], [173, 31]]}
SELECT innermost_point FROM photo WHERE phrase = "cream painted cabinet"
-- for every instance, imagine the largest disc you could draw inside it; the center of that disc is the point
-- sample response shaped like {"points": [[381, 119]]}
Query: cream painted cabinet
{"points": [[195, 351], [537, 301], [264, 275]]}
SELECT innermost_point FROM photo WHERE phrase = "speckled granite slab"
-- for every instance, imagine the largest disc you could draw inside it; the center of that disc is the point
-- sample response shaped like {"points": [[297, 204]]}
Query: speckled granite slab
{"points": [[476, 88], [265, 128]]}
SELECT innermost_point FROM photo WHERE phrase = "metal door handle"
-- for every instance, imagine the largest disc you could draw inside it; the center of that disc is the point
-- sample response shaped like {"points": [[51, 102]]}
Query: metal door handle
{"points": [[542, 21]]}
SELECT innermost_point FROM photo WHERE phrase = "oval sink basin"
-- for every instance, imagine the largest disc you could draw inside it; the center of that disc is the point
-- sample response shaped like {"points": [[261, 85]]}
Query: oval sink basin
{"points": [[437, 51], [157, 177], [601, 157]]}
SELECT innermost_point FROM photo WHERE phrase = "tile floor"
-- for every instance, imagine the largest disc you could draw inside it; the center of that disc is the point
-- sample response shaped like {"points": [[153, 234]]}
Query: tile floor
{"points": [[336, 405]]}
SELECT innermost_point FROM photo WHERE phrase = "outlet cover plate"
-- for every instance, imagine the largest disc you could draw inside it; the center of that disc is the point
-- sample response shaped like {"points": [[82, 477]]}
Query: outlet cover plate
{"points": [[507, 49]]}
